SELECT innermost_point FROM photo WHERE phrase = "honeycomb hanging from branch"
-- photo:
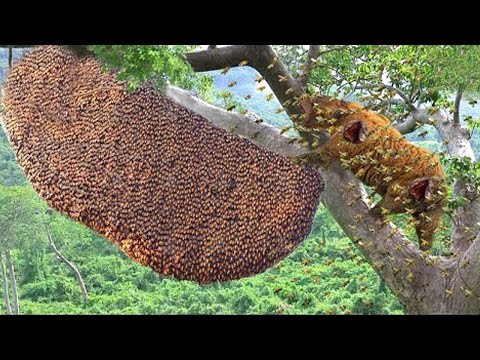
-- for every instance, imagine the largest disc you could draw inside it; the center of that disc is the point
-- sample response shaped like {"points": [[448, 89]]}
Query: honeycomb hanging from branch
{"points": [[171, 190]]}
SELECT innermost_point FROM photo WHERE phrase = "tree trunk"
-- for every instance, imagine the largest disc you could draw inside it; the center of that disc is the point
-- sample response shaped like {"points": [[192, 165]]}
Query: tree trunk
{"points": [[6, 297], [13, 282], [71, 266]]}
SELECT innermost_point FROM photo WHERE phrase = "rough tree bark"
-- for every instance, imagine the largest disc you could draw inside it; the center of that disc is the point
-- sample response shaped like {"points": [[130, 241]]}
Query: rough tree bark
{"points": [[13, 282], [6, 296], [70, 265]]}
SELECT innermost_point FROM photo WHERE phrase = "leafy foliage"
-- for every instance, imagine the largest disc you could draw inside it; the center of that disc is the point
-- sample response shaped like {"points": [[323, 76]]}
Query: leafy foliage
{"points": [[326, 275], [160, 63]]}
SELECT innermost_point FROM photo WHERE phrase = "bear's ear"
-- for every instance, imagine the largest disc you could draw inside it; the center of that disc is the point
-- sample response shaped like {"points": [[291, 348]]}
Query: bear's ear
{"points": [[356, 132], [421, 189]]}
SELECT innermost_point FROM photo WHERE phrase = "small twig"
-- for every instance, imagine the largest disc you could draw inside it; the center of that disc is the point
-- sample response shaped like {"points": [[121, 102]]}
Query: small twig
{"points": [[399, 92], [10, 57], [313, 54]]}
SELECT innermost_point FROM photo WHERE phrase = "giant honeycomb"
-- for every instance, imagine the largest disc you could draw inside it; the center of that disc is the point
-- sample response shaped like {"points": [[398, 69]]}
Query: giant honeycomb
{"points": [[174, 192]]}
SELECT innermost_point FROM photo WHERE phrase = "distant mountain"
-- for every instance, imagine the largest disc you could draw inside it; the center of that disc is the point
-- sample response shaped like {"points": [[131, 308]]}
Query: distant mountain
{"points": [[246, 85]]}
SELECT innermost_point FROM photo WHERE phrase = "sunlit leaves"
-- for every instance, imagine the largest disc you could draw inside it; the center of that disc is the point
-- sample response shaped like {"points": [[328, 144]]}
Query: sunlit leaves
{"points": [[162, 64], [472, 123], [466, 170], [427, 75]]}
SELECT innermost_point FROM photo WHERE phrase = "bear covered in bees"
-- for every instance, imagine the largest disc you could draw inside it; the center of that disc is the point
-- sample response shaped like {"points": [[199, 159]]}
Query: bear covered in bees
{"points": [[410, 179]]}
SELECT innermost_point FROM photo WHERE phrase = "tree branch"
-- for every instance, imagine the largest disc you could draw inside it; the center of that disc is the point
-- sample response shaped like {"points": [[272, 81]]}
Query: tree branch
{"points": [[313, 54], [261, 134], [70, 265], [399, 92], [6, 296], [10, 57], [413, 122], [263, 59], [458, 99]]}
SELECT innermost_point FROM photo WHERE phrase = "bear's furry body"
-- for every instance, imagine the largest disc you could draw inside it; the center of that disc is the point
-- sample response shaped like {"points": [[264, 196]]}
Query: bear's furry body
{"points": [[408, 177]]}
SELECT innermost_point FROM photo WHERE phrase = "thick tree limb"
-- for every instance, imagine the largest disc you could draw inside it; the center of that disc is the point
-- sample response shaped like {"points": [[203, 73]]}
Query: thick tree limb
{"points": [[263, 59], [416, 119], [465, 284], [219, 58], [262, 134]]}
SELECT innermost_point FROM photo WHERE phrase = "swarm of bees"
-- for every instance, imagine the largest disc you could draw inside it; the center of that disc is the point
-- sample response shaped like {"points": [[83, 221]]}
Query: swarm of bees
{"points": [[175, 193], [410, 179]]}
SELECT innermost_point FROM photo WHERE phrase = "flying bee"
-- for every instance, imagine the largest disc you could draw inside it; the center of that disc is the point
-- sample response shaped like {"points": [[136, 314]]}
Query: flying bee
{"points": [[285, 129], [225, 71], [232, 84], [259, 79], [231, 107], [351, 186], [467, 292], [423, 134], [261, 88], [282, 78], [270, 97], [272, 65], [243, 63], [360, 173], [248, 97], [410, 211]]}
